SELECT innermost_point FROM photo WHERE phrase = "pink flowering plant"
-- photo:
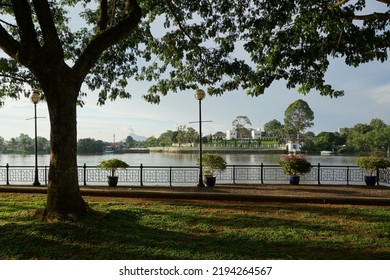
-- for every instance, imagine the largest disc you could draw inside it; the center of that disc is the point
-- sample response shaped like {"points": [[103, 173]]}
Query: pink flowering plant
{"points": [[295, 165]]}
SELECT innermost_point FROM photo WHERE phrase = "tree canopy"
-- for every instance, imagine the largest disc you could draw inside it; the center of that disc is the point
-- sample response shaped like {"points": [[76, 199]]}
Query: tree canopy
{"points": [[90, 146], [185, 44], [297, 117], [371, 138], [274, 129], [239, 124]]}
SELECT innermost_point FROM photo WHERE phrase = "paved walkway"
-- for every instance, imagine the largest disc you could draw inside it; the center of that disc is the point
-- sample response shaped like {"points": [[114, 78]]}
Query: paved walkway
{"points": [[324, 194]]}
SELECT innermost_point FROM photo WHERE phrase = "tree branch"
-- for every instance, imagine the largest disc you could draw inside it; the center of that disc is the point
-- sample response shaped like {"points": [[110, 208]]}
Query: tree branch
{"points": [[25, 23], [17, 78], [338, 4], [172, 9], [7, 23], [113, 8], [8, 44], [384, 1], [373, 16], [50, 36], [107, 39], [103, 20]]}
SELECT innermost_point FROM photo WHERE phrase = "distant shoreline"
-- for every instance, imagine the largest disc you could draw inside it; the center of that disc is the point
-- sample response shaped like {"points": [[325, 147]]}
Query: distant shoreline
{"points": [[214, 151], [187, 150], [174, 150]]}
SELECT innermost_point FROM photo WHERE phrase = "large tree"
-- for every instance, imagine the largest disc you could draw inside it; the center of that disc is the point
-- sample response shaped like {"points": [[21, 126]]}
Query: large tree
{"points": [[274, 129], [47, 56], [239, 124], [177, 45], [297, 117]]}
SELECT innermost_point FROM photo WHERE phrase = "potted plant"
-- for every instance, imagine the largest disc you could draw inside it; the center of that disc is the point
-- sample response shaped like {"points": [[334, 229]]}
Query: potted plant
{"points": [[294, 166], [370, 164], [212, 163], [112, 165]]}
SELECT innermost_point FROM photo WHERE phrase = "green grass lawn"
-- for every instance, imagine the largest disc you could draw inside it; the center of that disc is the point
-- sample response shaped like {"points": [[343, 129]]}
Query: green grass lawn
{"points": [[174, 229]]}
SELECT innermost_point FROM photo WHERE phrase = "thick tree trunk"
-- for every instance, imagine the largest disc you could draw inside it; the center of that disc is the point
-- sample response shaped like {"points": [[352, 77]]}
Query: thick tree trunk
{"points": [[63, 195]]}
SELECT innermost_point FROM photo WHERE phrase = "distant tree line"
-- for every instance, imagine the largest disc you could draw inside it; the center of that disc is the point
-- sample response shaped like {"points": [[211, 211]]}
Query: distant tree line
{"points": [[182, 135], [24, 144], [372, 138], [90, 146]]}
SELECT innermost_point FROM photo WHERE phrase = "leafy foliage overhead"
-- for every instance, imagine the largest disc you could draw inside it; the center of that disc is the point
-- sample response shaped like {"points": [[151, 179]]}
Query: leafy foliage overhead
{"points": [[187, 44]]}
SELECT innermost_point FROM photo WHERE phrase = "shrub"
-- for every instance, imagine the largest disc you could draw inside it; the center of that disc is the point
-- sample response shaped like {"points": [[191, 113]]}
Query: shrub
{"points": [[295, 165], [213, 163], [112, 165], [372, 163]]}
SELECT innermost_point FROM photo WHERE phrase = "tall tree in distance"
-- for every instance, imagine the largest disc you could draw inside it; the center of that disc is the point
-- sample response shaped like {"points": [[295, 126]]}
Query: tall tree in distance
{"points": [[274, 129], [297, 117], [239, 124], [181, 134]]}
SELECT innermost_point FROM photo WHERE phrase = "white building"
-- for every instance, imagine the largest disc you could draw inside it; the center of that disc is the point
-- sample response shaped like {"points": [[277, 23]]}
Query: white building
{"points": [[231, 134], [256, 134], [293, 147]]}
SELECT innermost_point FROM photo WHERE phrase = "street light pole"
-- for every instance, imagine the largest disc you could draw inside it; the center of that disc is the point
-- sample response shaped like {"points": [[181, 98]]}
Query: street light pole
{"points": [[200, 95], [35, 99]]}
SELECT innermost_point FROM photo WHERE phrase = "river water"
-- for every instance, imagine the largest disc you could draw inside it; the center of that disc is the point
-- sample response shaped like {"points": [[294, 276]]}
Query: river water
{"points": [[172, 159]]}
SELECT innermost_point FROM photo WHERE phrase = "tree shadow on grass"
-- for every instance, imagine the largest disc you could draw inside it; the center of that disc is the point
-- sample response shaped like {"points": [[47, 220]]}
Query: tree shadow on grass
{"points": [[142, 234]]}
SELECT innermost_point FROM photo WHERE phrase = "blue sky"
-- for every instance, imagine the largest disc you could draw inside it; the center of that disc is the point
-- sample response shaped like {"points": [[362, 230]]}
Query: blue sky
{"points": [[367, 96]]}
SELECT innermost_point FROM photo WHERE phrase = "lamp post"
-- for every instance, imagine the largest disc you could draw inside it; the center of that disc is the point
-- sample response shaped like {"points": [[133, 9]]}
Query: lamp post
{"points": [[35, 97], [200, 95]]}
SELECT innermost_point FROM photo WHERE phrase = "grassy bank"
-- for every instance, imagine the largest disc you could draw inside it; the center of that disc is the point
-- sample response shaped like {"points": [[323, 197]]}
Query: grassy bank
{"points": [[151, 229]]}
